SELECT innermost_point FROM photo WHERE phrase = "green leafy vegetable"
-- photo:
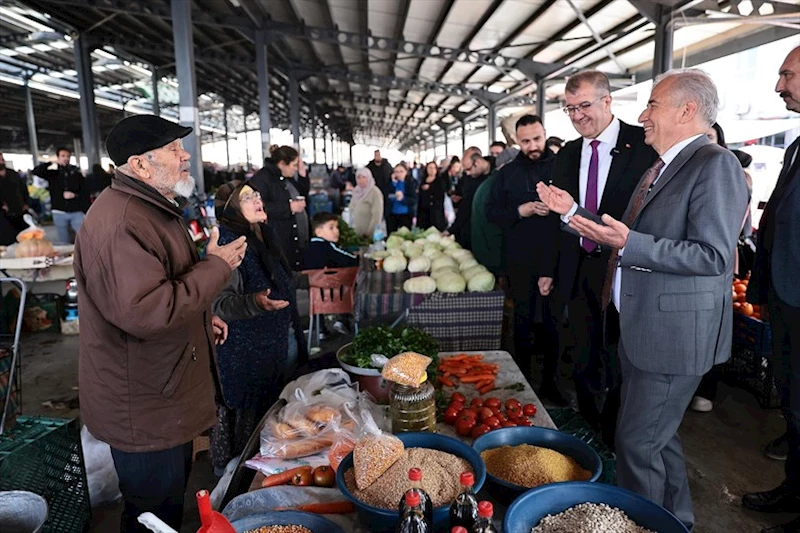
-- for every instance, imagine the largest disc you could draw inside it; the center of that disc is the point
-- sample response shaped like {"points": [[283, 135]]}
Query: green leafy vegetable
{"points": [[390, 342], [519, 387], [349, 238]]}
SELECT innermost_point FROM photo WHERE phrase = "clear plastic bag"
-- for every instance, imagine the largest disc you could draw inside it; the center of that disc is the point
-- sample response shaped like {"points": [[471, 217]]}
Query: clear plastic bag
{"points": [[407, 368], [374, 453]]}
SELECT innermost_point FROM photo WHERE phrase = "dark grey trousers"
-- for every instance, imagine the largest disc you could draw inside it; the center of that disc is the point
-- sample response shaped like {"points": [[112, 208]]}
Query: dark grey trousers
{"points": [[649, 454]]}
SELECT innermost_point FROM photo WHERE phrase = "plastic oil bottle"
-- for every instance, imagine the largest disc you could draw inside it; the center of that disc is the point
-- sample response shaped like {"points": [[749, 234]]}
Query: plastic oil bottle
{"points": [[413, 519], [415, 485], [485, 524], [464, 509]]}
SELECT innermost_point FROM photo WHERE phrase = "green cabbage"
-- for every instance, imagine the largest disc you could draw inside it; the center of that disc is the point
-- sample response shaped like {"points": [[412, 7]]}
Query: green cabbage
{"points": [[394, 263], [482, 282], [473, 271], [439, 272], [468, 263], [394, 241], [419, 285], [419, 264], [444, 261], [451, 283]]}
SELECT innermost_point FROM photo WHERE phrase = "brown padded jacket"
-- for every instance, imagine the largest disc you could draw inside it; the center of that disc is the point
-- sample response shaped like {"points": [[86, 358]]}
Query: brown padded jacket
{"points": [[147, 368]]}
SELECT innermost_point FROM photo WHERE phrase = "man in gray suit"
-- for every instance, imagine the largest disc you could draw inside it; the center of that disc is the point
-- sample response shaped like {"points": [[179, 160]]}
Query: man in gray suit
{"points": [[774, 282], [669, 277]]}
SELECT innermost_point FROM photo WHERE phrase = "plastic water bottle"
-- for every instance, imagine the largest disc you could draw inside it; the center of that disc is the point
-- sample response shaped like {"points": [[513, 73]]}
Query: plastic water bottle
{"points": [[379, 233], [346, 214]]}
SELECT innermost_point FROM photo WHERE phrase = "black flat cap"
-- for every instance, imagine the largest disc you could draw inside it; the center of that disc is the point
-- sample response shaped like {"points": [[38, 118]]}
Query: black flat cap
{"points": [[138, 134]]}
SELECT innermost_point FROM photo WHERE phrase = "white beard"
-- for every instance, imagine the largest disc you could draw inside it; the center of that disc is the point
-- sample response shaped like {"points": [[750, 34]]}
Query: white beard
{"points": [[184, 188]]}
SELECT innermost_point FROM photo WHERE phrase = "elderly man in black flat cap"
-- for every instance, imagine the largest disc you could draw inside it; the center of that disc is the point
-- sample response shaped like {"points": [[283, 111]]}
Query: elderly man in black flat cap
{"points": [[147, 374]]}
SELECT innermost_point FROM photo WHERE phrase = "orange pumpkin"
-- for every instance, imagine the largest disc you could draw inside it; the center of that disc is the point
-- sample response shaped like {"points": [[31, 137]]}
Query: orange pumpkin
{"points": [[35, 248]]}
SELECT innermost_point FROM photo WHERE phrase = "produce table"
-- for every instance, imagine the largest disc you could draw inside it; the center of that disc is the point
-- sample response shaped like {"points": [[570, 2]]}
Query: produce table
{"points": [[461, 321], [259, 500]]}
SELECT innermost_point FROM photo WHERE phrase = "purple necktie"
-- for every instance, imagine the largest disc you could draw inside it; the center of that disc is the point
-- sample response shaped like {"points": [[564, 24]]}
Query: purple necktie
{"points": [[591, 192]]}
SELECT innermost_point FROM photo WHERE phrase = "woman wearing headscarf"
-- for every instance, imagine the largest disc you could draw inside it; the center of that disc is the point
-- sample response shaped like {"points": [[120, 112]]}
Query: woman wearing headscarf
{"points": [[430, 208], [285, 200], [366, 204], [265, 339]]}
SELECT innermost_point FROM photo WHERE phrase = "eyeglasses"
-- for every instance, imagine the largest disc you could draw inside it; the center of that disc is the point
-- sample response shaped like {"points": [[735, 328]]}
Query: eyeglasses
{"points": [[583, 106], [248, 198]]}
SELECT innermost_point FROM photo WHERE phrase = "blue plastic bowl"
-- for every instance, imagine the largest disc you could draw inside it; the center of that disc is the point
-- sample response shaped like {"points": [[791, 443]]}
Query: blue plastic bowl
{"points": [[379, 520], [535, 436], [529, 509], [314, 522]]}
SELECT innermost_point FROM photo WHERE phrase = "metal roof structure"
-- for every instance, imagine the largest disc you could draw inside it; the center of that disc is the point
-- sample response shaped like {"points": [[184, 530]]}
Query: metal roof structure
{"points": [[382, 72]]}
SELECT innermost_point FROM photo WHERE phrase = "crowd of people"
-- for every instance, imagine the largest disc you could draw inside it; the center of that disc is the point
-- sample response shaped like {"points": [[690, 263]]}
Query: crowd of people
{"points": [[620, 244]]}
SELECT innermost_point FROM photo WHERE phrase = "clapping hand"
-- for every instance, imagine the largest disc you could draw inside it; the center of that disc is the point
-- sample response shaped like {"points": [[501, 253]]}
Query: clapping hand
{"points": [[220, 330], [232, 253]]}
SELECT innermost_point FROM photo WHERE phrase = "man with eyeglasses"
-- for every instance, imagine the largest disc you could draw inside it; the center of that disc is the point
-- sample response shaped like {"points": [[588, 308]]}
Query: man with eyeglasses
{"points": [[600, 170]]}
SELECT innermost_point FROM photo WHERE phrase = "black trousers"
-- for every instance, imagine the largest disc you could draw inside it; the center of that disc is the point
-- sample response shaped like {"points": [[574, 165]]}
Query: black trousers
{"points": [[586, 325], [785, 322], [154, 482], [533, 321], [395, 222]]}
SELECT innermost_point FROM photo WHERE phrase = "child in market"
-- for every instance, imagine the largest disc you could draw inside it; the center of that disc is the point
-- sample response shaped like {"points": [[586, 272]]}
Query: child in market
{"points": [[322, 252]]}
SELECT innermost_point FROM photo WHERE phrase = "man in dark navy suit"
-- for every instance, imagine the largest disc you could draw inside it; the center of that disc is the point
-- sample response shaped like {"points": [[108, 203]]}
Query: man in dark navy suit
{"points": [[775, 284], [600, 170]]}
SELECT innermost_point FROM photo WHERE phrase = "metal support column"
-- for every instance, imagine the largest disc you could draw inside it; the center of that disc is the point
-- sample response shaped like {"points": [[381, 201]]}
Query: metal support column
{"points": [[492, 123], [247, 148], [227, 139], [541, 98], [662, 58], [351, 153], [294, 115], [156, 103], [314, 129], [77, 149], [463, 136], [32, 137], [91, 134], [183, 38], [263, 92]]}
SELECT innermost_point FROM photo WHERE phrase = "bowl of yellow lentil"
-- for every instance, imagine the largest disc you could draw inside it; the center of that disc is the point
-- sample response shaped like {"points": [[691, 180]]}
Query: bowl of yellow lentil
{"points": [[518, 459]]}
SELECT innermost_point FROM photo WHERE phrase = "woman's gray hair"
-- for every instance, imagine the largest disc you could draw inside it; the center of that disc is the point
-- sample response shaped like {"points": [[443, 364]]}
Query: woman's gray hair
{"points": [[694, 85]]}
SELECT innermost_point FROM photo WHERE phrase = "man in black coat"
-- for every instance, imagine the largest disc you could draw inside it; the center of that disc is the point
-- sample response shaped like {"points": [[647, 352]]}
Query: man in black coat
{"points": [[69, 194], [13, 201], [775, 284], [382, 172], [477, 174], [529, 233], [600, 170]]}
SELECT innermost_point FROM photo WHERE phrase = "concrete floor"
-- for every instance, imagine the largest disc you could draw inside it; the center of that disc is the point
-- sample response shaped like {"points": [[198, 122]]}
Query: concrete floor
{"points": [[723, 448]]}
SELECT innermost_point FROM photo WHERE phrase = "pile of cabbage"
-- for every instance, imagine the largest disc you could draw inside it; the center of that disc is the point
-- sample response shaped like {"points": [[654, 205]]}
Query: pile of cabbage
{"points": [[448, 267]]}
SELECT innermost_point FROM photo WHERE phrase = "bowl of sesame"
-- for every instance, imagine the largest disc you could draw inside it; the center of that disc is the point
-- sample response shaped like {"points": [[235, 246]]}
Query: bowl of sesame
{"points": [[285, 522]]}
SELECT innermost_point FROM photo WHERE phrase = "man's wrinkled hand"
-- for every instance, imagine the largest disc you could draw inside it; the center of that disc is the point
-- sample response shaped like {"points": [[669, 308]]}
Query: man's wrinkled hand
{"points": [[220, 328], [232, 253], [264, 302], [540, 209], [614, 233], [557, 200]]}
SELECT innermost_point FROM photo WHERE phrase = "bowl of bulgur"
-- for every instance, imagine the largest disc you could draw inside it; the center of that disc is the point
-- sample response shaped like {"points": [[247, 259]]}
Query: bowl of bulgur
{"points": [[285, 522], [441, 458], [518, 459]]}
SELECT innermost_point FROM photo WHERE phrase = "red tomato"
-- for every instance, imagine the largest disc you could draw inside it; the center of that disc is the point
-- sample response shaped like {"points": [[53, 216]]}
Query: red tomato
{"points": [[450, 415], [469, 411], [479, 430], [512, 402], [484, 413], [458, 397], [497, 410], [476, 402], [529, 409], [493, 422], [524, 422], [513, 411], [509, 424], [464, 425], [492, 403]]}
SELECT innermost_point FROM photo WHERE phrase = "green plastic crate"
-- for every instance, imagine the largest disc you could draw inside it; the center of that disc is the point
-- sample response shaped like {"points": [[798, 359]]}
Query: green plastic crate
{"points": [[568, 421], [44, 456]]}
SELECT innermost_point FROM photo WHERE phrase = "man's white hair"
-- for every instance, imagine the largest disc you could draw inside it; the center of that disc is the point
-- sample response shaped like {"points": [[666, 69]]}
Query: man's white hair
{"points": [[694, 85]]}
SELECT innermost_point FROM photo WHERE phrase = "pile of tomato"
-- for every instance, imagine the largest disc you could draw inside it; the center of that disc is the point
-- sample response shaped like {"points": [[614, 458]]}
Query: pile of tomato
{"points": [[485, 415]]}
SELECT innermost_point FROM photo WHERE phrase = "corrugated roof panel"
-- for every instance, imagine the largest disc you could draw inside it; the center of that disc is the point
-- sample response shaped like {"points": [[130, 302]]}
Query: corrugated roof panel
{"points": [[503, 22]]}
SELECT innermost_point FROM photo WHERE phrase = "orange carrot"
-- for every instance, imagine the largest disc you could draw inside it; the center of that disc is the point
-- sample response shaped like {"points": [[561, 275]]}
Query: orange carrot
{"points": [[446, 381], [341, 507], [487, 388], [283, 477], [479, 377]]}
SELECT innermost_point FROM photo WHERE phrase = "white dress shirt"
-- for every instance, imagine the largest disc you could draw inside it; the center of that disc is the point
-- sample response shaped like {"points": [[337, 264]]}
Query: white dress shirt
{"points": [[668, 157], [608, 142]]}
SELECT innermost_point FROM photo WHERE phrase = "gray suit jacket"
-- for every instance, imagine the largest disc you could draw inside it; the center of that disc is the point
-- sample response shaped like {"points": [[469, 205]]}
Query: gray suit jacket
{"points": [[676, 313]]}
